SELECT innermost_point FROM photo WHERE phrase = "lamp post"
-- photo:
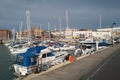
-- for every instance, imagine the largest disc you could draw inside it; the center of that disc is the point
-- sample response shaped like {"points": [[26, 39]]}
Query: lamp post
{"points": [[113, 25]]}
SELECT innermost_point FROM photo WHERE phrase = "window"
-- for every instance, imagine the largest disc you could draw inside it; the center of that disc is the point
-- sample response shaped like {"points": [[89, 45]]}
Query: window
{"points": [[48, 54], [44, 56]]}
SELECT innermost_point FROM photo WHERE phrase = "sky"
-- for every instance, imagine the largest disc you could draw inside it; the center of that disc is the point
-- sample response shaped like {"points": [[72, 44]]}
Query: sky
{"points": [[81, 13]]}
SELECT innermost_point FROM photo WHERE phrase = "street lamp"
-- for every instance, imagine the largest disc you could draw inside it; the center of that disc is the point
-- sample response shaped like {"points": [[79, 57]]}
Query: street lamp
{"points": [[113, 25]]}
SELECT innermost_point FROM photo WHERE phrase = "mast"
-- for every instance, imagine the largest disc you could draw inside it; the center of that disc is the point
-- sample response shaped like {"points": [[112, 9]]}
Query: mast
{"points": [[13, 31], [49, 29], [20, 30], [54, 27], [67, 19], [28, 25], [100, 21], [60, 25], [41, 31], [40, 26], [100, 25], [8, 35]]}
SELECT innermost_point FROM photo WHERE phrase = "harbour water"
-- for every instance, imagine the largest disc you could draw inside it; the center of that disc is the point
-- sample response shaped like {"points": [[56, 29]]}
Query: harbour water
{"points": [[6, 60]]}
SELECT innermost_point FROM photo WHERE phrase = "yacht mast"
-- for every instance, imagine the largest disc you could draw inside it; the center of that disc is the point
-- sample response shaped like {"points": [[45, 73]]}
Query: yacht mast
{"points": [[28, 25], [67, 19], [40, 26], [20, 31], [100, 25], [60, 25], [100, 22], [13, 31], [49, 29]]}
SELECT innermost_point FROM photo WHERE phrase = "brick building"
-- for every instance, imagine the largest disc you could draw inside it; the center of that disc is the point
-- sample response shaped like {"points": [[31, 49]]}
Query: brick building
{"points": [[5, 34], [34, 32]]}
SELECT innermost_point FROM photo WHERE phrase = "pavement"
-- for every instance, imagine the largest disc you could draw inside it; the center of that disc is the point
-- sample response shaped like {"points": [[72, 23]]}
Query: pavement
{"points": [[108, 70], [75, 70]]}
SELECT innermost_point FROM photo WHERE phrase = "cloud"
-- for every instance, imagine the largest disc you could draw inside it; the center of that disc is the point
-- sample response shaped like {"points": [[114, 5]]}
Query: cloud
{"points": [[81, 12]]}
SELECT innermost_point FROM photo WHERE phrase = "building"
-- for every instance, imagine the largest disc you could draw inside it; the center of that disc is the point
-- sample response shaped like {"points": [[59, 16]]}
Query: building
{"points": [[68, 33], [35, 32], [101, 35], [108, 32], [56, 34], [46, 34], [5, 34], [82, 34]]}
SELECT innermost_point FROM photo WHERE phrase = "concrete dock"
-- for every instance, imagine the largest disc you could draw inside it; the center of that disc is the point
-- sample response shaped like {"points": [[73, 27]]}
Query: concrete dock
{"points": [[75, 70]]}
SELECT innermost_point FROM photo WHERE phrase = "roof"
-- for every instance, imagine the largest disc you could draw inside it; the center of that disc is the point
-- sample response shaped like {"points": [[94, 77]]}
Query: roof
{"points": [[36, 49], [29, 57], [24, 59]]}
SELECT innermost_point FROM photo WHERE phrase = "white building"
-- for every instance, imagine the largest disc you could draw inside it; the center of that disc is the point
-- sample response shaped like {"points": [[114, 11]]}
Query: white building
{"points": [[68, 33], [107, 33], [82, 34], [101, 35]]}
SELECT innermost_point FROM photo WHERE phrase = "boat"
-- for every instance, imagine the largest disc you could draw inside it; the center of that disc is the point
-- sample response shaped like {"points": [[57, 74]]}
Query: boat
{"points": [[67, 47], [37, 61], [84, 49], [26, 62], [18, 49], [103, 44], [61, 46], [60, 57]]}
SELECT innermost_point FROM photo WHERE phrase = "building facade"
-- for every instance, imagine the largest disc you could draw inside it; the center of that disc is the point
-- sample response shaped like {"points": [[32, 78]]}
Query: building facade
{"points": [[109, 32], [101, 35], [35, 32], [82, 34], [68, 33], [5, 34]]}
